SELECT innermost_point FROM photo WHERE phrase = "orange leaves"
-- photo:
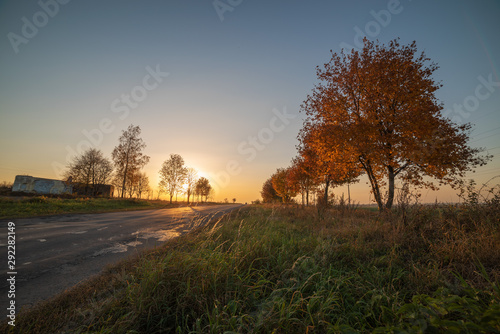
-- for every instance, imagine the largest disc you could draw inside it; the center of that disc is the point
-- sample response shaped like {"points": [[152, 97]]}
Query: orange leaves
{"points": [[375, 111], [283, 185]]}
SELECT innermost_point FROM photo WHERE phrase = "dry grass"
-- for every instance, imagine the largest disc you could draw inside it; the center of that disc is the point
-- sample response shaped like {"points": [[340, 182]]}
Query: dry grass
{"points": [[284, 269]]}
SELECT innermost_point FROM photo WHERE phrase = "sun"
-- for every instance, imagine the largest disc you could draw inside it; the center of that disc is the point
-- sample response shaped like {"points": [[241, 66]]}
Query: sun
{"points": [[201, 174]]}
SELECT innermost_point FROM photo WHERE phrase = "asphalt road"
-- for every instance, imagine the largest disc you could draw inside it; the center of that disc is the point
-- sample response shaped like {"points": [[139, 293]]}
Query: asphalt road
{"points": [[55, 253]]}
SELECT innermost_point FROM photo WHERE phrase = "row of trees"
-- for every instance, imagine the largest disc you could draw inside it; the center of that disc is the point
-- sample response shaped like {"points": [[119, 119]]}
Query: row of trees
{"points": [[92, 168], [374, 112], [124, 171], [175, 177]]}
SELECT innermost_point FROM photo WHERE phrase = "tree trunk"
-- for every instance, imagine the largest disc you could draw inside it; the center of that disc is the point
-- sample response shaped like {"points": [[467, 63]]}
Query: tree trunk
{"points": [[390, 196], [349, 194], [124, 179], [375, 187], [327, 183], [126, 169]]}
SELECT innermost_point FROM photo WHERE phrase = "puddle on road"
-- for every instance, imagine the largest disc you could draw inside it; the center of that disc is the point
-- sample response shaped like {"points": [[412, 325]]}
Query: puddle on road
{"points": [[77, 232], [134, 243], [161, 235], [117, 248]]}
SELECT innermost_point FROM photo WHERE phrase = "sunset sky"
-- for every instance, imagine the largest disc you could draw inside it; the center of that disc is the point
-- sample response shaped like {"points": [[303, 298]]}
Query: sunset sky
{"points": [[218, 82]]}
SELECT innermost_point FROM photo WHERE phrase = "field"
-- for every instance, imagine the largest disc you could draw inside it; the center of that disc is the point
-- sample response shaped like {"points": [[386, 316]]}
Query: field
{"points": [[21, 207], [290, 269]]}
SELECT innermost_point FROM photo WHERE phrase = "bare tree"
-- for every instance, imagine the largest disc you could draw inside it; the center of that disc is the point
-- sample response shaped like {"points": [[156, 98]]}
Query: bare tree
{"points": [[142, 184], [128, 157], [211, 194], [90, 169], [203, 188], [131, 184], [159, 193], [172, 175], [191, 176]]}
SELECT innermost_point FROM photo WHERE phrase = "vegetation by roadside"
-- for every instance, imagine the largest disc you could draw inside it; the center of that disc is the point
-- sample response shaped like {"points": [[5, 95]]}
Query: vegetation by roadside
{"points": [[22, 207], [284, 269]]}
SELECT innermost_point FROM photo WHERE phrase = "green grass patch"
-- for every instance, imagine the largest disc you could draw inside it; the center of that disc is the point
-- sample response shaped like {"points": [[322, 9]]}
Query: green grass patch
{"points": [[20, 207], [286, 270]]}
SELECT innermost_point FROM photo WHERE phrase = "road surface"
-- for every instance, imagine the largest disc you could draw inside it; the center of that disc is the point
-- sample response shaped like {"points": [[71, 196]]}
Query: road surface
{"points": [[55, 253]]}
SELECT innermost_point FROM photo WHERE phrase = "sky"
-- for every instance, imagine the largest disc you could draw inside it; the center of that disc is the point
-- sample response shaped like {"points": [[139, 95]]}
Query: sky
{"points": [[218, 82]]}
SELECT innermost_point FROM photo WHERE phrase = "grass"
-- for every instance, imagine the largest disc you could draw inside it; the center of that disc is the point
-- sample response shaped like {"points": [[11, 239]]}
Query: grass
{"points": [[40, 205], [22, 207], [282, 269]]}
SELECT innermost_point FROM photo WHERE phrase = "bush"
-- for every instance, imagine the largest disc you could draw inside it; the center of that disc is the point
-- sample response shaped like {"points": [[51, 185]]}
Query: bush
{"points": [[5, 188]]}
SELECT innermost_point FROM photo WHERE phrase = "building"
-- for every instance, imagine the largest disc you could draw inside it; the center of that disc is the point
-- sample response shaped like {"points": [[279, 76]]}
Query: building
{"points": [[36, 185]]}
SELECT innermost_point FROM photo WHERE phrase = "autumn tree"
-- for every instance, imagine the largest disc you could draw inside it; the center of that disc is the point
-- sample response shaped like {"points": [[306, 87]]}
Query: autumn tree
{"points": [[378, 107], [268, 192], [90, 169], [303, 175], [282, 183], [328, 164], [190, 182], [203, 188], [128, 157], [172, 175]]}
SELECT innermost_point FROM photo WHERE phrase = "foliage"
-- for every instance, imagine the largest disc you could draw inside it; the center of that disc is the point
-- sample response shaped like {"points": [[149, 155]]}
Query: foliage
{"points": [[268, 192], [326, 168], [285, 188], [447, 312], [303, 177], [375, 111]]}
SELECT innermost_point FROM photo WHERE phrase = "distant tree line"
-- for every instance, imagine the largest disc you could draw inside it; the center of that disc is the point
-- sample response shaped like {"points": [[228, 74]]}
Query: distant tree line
{"points": [[124, 171]]}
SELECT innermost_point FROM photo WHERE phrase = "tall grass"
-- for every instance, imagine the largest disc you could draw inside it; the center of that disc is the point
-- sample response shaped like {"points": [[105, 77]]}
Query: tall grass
{"points": [[19, 207], [281, 269]]}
